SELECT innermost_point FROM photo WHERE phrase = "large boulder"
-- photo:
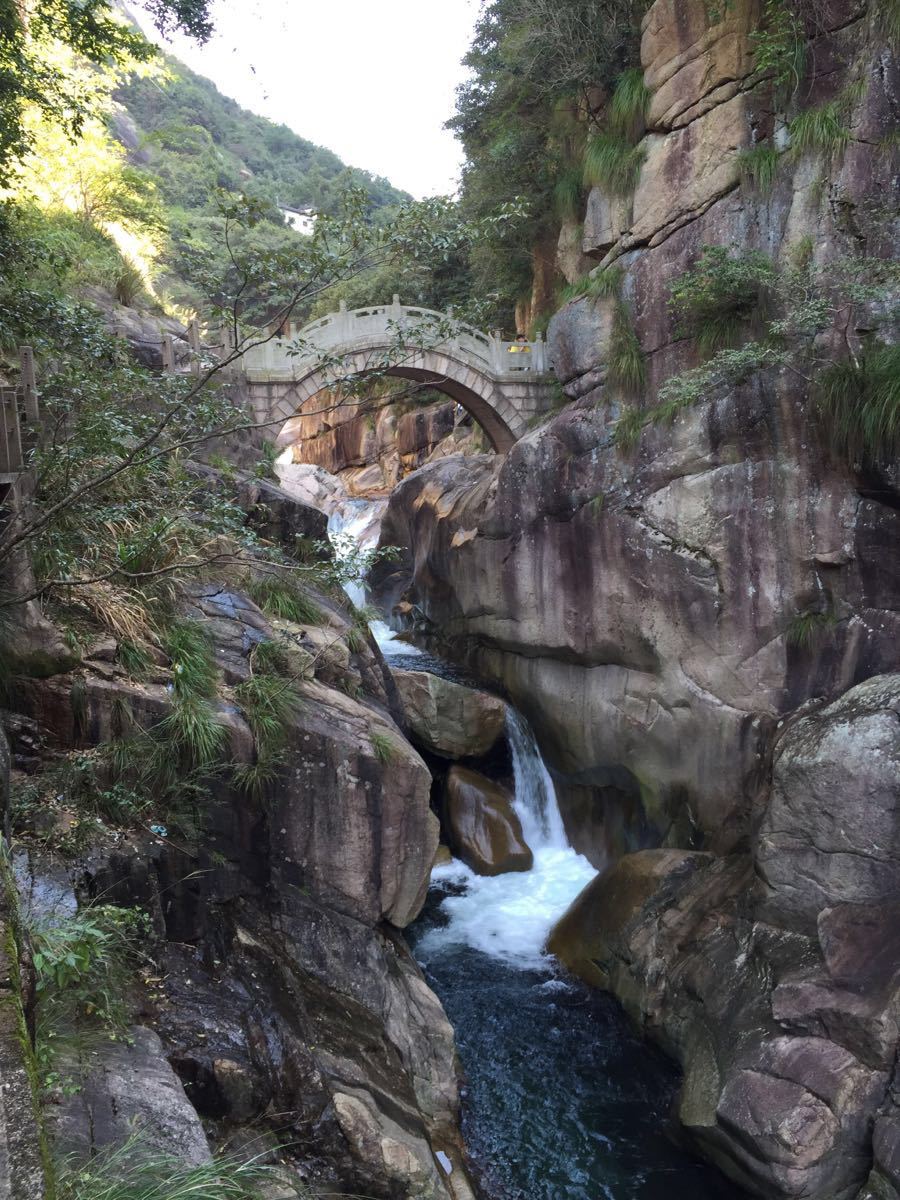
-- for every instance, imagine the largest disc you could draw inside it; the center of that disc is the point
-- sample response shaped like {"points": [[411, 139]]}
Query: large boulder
{"points": [[831, 834], [447, 718], [482, 826]]}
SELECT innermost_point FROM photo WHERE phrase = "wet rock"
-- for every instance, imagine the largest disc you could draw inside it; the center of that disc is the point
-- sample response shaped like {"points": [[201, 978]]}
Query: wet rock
{"points": [[448, 719], [831, 834], [279, 516], [482, 827], [609, 902]]}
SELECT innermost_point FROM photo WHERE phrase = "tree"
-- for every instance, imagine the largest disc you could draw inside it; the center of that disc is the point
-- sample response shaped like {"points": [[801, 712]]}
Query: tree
{"points": [[32, 71]]}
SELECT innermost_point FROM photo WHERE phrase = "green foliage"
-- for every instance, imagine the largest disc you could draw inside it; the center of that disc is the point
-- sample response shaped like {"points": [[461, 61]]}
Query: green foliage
{"points": [[134, 657], [859, 404], [612, 163], [805, 629], [718, 298], [627, 429], [824, 129], [599, 285], [521, 120], [759, 167], [568, 195], [133, 1171], [281, 597], [383, 746], [194, 670], [780, 48], [84, 964], [628, 105], [889, 17], [268, 700], [626, 369]]}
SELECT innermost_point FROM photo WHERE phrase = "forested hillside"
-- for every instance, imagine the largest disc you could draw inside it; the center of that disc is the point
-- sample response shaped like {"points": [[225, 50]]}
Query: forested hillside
{"points": [[192, 142]]}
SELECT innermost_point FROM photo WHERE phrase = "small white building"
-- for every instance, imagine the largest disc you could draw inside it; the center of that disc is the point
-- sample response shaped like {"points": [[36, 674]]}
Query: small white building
{"points": [[303, 220]]}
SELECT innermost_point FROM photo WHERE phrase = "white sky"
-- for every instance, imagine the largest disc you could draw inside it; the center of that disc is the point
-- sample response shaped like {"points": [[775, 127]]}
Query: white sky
{"points": [[374, 82]]}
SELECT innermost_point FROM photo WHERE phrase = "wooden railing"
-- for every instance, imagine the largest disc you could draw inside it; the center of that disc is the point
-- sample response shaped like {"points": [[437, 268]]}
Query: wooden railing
{"points": [[18, 409]]}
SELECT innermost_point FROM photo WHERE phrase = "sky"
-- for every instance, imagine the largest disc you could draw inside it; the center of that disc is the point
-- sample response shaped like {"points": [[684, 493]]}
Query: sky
{"points": [[374, 82]]}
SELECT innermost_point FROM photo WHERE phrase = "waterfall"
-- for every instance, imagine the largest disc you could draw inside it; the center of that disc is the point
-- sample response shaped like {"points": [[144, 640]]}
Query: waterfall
{"points": [[535, 795], [509, 916]]}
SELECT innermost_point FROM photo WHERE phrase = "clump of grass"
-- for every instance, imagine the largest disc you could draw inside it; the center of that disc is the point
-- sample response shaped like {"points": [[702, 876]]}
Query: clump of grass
{"points": [[281, 597], [133, 1171], [626, 367], [859, 404], [599, 285], [823, 129], [628, 428], [759, 167], [383, 746], [627, 112], [134, 658], [806, 628], [568, 195], [268, 700], [193, 665], [612, 163], [356, 640]]}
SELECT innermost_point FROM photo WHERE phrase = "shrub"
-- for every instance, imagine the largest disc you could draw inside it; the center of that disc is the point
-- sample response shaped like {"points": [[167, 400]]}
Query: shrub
{"points": [[721, 294], [780, 48]]}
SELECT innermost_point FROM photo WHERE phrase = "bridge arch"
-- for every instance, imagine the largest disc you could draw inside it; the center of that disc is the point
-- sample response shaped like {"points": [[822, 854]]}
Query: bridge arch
{"points": [[471, 367]]}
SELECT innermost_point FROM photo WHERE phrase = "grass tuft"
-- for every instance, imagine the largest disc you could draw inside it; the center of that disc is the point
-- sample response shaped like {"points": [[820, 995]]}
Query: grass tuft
{"points": [[282, 598], [821, 129], [626, 369], [806, 628], [568, 195], [612, 163], [600, 285], [189, 648], [133, 1171], [759, 168], [627, 430], [628, 106], [383, 746], [859, 404]]}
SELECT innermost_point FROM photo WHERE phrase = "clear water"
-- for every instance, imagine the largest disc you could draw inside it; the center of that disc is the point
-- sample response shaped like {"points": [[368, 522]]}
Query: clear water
{"points": [[562, 1100]]}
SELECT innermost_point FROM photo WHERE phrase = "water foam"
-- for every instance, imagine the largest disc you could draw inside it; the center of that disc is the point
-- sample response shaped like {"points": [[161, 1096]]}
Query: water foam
{"points": [[509, 916]]}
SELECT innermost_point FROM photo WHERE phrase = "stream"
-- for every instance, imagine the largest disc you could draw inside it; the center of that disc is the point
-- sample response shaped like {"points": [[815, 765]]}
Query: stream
{"points": [[562, 1101]]}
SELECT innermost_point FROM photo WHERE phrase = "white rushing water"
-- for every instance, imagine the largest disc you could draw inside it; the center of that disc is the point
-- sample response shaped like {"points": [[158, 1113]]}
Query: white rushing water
{"points": [[509, 916]]}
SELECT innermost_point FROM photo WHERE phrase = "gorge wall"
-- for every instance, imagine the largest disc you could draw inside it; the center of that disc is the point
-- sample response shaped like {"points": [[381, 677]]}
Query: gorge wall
{"points": [[677, 617]]}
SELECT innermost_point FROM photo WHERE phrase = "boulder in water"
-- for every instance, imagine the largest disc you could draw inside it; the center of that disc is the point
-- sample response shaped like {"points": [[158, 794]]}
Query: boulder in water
{"points": [[482, 826], [447, 718]]}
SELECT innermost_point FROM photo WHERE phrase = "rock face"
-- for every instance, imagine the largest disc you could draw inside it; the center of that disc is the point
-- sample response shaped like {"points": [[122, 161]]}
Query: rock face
{"points": [[370, 445], [448, 719], [781, 999], [288, 988], [482, 826], [640, 608], [649, 612]]}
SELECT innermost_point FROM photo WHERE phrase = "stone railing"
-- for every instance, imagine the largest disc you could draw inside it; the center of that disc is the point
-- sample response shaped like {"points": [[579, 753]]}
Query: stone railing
{"points": [[386, 324]]}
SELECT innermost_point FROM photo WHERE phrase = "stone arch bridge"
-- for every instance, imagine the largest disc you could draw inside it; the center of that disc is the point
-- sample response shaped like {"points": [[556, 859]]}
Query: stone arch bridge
{"points": [[504, 385]]}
